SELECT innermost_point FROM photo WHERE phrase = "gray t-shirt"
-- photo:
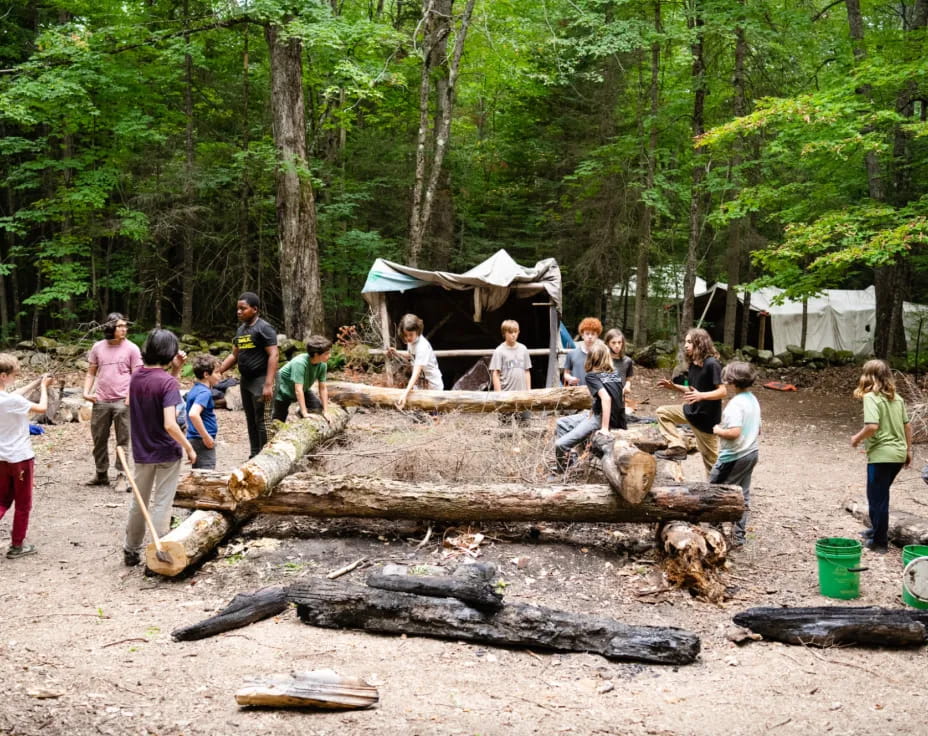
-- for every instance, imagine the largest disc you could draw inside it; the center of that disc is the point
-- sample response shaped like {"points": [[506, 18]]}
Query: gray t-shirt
{"points": [[575, 363], [511, 362]]}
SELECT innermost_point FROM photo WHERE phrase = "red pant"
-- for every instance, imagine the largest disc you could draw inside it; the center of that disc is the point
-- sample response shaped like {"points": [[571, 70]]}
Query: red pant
{"points": [[16, 487]]}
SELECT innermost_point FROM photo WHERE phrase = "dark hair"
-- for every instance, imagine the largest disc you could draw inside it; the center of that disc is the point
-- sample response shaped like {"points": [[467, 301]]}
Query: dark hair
{"points": [[203, 365], [250, 298], [109, 327], [317, 345], [614, 333], [703, 347], [160, 347], [739, 374]]}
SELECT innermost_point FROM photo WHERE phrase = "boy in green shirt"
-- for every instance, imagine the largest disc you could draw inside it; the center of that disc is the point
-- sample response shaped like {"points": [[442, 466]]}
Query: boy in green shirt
{"points": [[295, 378]]}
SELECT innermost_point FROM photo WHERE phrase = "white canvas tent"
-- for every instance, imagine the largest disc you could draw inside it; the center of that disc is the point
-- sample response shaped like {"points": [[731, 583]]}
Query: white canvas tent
{"points": [[842, 319]]}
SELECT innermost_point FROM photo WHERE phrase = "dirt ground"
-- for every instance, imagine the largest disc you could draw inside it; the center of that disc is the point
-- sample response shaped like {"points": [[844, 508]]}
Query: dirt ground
{"points": [[85, 644]]}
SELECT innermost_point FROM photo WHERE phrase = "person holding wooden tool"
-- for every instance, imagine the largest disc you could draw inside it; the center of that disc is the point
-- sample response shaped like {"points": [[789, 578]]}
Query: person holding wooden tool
{"points": [[158, 443]]}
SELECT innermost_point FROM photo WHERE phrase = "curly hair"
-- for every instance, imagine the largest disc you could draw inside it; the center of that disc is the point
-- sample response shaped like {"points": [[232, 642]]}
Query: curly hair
{"points": [[703, 347], [878, 378], [590, 324]]}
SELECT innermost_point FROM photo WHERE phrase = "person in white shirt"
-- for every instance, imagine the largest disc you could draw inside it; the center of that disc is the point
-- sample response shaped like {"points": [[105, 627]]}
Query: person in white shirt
{"points": [[424, 362]]}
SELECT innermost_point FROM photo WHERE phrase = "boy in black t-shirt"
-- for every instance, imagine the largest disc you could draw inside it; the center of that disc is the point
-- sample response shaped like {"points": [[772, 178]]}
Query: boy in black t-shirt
{"points": [[255, 351], [703, 392]]}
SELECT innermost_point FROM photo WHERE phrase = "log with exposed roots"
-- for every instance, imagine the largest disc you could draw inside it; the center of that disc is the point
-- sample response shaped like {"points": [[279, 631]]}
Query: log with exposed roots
{"points": [[477, 402], [692, 558], [308, 494], [825, 626], [346, 606]]}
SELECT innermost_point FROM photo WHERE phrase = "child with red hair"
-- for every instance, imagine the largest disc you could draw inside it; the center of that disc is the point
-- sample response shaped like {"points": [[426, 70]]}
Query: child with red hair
{"points": [[574, 364]]}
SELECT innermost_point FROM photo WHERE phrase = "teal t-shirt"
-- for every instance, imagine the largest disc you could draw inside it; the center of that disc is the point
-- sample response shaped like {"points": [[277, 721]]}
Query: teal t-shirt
{"points": [[299, 370], [888, 445]]}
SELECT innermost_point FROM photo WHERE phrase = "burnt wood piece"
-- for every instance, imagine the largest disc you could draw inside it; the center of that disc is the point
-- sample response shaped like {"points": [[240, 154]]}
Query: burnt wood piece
{"points": [[479, 402], [904, 528], [316, 689], [346, 606], [243, 609], [824, 626], [309, 494], [479, 594]]}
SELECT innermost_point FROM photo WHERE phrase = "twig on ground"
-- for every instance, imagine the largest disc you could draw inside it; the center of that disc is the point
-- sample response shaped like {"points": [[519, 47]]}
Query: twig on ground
{"points": [[346, 569]]}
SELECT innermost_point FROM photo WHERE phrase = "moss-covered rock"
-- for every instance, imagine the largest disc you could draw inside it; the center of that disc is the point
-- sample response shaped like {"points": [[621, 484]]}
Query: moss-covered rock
{"points": [[750, 351], [844, 357], [775, 362], [829, 354], [786, 358], [45, 343], [219, 347], [69, 351], [796, 350], [764, 356]]}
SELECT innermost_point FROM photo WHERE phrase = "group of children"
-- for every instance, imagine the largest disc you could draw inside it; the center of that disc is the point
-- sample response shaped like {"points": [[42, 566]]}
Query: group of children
{"points": [[138, 392]]}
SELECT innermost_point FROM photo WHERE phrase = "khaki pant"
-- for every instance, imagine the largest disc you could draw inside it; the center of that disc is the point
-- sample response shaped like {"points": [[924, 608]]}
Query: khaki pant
{"points": [[157, 483], [668, 417]]}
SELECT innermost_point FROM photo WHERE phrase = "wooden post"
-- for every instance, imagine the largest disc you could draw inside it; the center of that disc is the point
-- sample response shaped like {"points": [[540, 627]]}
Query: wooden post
{"points": [[385, 334], [761, 329], [553, 378]]}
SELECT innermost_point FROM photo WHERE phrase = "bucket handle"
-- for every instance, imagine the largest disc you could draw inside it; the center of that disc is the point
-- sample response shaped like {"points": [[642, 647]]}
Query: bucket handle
{"points": [[857, 569]]}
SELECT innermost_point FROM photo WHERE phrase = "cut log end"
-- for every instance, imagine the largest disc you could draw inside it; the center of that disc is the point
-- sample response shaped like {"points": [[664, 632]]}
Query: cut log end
{"points": [[175, 554]]}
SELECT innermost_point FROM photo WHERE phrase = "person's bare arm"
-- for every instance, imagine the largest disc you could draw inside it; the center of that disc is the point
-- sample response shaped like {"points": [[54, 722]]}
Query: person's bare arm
{"points": [[497, 386], [194, 415], [692, 396], [528, 379], [42, 405], [89, 380], [726, 433], [606, 400], [908, 444], [323, 395], [666, 383], [272, 359], [300, 399], [416, 372], [173, 428], [230, 360], [866, 433]]}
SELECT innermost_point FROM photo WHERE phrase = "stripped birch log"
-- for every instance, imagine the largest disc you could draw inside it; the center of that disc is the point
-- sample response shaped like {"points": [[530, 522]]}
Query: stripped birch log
{"points": [[205, 489], [276, 460], [308, 494], [475, 402], [316, 689], [199, 534]]}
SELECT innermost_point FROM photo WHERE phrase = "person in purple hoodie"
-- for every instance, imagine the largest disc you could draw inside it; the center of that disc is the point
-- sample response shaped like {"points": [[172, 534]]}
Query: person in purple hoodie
{"points": [[158, 443]]}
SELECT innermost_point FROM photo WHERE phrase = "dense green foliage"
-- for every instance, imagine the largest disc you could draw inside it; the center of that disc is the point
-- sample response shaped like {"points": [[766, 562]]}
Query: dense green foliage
{"points": [[131, 130]]}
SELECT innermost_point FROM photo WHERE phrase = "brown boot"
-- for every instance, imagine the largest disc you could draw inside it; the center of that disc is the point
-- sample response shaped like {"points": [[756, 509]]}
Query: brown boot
{"points": [[100, 479]]}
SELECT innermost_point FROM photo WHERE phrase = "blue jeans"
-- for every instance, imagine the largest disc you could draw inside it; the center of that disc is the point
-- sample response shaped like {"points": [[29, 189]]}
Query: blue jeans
{"points": [[880, 477], [571, 431]]}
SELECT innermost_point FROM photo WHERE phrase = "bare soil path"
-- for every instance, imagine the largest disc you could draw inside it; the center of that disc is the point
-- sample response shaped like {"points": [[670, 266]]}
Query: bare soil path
{"points": [[85, 643]]}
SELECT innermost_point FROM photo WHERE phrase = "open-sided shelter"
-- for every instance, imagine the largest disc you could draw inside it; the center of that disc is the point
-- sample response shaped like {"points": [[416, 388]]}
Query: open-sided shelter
{"points": [[463, 312]]}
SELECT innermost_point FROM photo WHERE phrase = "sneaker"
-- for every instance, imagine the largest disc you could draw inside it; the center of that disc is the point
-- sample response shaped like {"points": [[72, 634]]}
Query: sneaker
{"points": [[880, 549], [100, 479], [130, 558], [20, 551], [671, 453]]}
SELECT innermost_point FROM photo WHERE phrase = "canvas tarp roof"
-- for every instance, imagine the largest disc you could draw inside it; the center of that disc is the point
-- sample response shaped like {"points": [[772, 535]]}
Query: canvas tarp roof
{"points": [[843, 319], [494, 279]]}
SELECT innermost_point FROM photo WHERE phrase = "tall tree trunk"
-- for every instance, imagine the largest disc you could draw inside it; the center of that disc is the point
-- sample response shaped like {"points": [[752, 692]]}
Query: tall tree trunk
{"points": [[698, 77], [244, 194], [733, 255], [187, 275], [296, 213], [650, 164], [888, 281], [429, 173]]}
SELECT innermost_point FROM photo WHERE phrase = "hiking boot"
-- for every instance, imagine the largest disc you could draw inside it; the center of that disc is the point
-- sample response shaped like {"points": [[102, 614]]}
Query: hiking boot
{"points": [[671, 453], [867, 533], [20, 551], [100, 479], [130, 558]]}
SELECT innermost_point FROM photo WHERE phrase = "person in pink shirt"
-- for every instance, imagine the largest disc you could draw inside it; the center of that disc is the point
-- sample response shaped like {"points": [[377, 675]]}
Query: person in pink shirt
{"points": [[112, 361]]}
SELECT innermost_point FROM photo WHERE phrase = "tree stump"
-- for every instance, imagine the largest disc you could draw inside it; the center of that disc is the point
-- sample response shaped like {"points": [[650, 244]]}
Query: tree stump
{"points": [[693, 557]]}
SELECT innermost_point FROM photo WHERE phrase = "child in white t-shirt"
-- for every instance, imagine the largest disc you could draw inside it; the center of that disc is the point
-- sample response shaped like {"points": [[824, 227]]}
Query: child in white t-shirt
{"points": [[17, 460], [424, 362]]}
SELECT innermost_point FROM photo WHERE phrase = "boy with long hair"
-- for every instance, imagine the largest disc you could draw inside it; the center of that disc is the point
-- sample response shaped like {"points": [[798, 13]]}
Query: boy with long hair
{"points": [[703, 392]]}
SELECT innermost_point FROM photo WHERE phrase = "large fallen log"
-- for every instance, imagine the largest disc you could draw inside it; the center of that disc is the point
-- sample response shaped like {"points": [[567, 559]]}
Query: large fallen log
{"points": [[243, 609], [825, 626], [630, 471], [904, 528], [343, 605], [308, 494], [205, 489], [359, 394], [316, 689], [278, 457]]}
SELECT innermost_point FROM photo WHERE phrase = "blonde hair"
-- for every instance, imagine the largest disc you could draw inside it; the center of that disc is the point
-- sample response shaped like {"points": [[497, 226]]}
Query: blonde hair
{"points": [[600, 358], [509, 325], [877, 377], [8, 363], [703, 347], [614, 333]]}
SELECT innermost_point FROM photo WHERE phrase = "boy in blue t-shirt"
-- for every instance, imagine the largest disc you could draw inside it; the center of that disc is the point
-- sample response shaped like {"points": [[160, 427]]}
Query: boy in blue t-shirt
{"points": [[201, 415]]}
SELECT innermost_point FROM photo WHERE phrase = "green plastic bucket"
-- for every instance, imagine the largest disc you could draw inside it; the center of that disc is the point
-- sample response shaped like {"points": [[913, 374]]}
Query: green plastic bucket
{"points": [[838, 567], [911, 552]]}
